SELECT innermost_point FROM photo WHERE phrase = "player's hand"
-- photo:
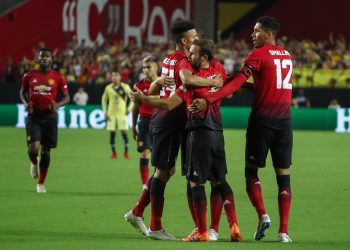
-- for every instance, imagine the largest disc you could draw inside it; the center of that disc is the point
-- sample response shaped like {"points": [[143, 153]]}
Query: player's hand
{"points": [[29, 107], [53, 107], [217, 81], [134, 133], [136, 96], [197, 105], [168, 81]]}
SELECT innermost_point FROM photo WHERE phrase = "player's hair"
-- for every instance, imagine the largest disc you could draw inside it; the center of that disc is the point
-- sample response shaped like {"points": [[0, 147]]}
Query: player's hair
{"points": [[150, 59], [45, 50], [269, 24], [179, 29], [206, 47]]}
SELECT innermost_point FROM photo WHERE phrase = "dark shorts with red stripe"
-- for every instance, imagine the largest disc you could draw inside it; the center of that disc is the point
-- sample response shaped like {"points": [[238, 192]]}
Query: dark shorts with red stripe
{"points": [[42, 128], [205, 156], [260, 139]]}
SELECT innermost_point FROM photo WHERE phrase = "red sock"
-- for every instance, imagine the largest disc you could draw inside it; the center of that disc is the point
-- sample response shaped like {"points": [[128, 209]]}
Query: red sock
{"points": [[157, 204], [200, 207], [216, 204], [255, 196], [284, 201], [42, 175], [142, 203], [229, 206], [190, 204], [144, 172]]}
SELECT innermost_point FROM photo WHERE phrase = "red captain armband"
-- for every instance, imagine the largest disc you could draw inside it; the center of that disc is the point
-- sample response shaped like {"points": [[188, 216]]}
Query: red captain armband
{"points": [[246, 70]]}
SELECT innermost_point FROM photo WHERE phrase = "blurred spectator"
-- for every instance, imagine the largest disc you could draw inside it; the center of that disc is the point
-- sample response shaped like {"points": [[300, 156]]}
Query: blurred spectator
{"points": [[11, 74], [80, 98], [333, 104], [300, 100]]}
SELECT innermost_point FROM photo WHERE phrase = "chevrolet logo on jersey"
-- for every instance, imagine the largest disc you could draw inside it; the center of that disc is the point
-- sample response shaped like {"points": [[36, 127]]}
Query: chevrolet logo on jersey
{"points": [[42, 88]]}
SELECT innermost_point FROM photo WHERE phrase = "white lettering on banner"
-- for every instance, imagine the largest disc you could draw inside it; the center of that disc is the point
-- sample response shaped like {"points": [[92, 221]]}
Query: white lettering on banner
{"points": [[76, 15], [21, 116], [97, 119], [76, 115], [79, 118], [83, 11], [61, 118], [343, 119]]}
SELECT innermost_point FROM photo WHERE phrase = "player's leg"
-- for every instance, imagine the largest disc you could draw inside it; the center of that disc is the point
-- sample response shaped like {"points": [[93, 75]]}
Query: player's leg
{"points": [[218, 179], [258, 139], [49, 140], [135, 216], [143, 166], [44, 167], [216, 205], [199, 159], [165, 148], [281, 152], [123, 127], [33, 132], [111, 127]]}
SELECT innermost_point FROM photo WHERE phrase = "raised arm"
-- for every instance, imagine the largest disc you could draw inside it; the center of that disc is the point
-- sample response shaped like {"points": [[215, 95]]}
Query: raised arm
{"points": [[168, 104], [191, 80]]}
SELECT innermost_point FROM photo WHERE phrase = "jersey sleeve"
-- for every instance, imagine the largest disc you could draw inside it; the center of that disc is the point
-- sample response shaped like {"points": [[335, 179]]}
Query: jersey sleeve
{"points": [[254, 59], [183, 92], [25, 82], [184, 64], [63, 85]]}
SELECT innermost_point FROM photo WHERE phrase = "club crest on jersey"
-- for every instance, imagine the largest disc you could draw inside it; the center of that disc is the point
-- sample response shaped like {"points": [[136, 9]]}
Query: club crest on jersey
{"points": [[51, 81]]}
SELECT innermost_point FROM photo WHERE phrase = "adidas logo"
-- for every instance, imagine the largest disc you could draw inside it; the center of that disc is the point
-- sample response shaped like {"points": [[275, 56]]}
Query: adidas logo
{"points": [[257, 183], [35, 80], [226, 202], [284, 193], [145, 90], [251, 157], [195, 173]]}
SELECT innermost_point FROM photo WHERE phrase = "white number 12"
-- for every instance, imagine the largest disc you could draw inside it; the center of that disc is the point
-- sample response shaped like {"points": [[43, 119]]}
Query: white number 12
{"points": [[285, 83]]}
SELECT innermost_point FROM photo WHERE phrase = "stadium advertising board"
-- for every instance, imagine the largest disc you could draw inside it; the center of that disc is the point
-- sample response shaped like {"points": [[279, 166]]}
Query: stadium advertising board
{"points": [[91, 116], [89, 20]]}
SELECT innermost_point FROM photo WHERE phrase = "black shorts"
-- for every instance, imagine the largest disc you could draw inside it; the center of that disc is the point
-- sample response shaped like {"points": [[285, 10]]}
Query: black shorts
{"points": [[260, 139], [144, 138], [165, 145], [43, 129], [206, 156]]}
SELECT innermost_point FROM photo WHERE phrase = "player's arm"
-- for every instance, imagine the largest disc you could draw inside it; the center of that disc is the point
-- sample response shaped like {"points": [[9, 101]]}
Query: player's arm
{"points": [[62, 87], [229, 88], [168, 104], [24, 95], [135, 114], [191, 80], [104, 102], [130, 104]]}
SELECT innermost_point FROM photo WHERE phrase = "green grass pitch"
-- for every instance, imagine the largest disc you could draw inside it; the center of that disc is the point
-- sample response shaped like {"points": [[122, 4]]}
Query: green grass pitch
{"points": [[88, 194]]}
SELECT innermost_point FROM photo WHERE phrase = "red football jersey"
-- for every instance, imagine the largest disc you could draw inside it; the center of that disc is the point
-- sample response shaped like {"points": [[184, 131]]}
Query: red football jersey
{"points": [[43, 88], [144, 109], [272, 72], [211, 117], [171, 66]]}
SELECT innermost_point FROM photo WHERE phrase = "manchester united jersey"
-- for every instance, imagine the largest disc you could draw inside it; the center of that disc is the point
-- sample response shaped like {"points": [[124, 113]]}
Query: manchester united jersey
{"points": [[43, 88], [209, 118], [172, 65], [272, 72], [145, 110]]}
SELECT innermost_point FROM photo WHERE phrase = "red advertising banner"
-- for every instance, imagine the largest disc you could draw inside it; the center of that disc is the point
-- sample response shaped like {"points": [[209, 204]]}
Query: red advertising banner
{"points": [[55, 22]]}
